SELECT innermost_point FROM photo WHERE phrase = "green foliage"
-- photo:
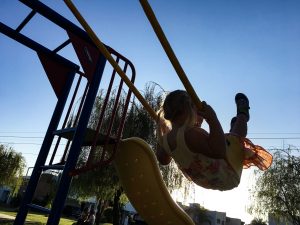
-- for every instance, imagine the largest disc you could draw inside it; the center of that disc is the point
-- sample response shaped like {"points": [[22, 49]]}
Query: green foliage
{"points": [[101, 183], [277, 190], [138, 121], [258, 222], [15, 201], [140, 124], [104, 182], [33, 218], [12, 165], [107, 215]]}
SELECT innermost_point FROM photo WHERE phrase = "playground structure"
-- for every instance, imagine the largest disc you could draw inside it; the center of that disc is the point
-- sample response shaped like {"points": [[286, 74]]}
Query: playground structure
{"points": [[134, 160]]}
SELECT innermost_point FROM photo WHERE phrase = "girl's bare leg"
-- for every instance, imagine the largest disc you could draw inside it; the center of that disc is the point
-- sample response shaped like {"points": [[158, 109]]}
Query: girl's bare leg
{"points": [[239, 125]]}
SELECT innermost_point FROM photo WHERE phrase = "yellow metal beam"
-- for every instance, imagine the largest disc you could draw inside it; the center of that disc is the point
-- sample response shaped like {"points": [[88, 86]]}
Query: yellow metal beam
{"points": [[107, 55], [170, 53]]}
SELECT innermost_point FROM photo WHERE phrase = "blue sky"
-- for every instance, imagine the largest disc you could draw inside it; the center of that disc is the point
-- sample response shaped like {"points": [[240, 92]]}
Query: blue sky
{"points": [[225, 47]]}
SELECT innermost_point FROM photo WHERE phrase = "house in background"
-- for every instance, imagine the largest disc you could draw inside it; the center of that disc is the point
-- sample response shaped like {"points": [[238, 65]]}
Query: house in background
{"points": [[4, 194], [233, 221], [211, 217], [217, 218], [46, 186]]}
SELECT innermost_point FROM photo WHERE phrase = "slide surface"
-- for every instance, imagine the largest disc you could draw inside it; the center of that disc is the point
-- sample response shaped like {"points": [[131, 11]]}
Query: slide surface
{"points": [[139, 173]]}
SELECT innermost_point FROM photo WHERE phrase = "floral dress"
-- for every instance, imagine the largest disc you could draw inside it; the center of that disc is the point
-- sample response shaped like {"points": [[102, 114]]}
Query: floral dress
{"points": [[217, 174]]}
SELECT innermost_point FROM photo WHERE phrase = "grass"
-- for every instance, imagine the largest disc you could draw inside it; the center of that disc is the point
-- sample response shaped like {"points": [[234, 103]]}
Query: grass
{"points": [[34, 218]]}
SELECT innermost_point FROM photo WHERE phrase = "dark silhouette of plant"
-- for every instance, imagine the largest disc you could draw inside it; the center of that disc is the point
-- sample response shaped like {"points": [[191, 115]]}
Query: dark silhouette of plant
{"points": [[277, 190]]}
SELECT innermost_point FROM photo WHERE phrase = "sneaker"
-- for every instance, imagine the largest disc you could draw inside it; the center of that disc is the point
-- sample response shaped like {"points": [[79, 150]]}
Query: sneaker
{"points": [[242, 105]]}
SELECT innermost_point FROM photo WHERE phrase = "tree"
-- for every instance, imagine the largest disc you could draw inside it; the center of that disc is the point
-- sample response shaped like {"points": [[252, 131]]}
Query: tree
{"points": [[104, 182], [258, 222], [277, 190], [140, 124], [12, 165], [198, 214]]}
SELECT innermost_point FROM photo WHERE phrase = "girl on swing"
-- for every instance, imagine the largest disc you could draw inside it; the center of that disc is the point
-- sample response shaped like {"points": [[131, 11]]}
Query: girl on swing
{"points": [[208, 159]]}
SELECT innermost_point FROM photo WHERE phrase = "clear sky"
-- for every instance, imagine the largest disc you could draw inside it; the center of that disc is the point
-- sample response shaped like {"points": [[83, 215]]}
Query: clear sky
{"points": [[225, 47]]}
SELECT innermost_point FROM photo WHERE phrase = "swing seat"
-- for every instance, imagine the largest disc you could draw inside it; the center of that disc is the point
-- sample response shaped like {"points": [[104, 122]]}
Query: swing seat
{"points": [[242, 154], [235, 153]]}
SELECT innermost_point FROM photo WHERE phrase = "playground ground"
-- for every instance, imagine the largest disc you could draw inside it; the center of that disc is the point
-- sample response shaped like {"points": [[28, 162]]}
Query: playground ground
{"points": [[7, 217]]}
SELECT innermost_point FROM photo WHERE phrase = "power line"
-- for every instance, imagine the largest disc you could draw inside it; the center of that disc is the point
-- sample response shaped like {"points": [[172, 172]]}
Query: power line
{"points": [[258, 133], [28, 132], [28, 153], [22, 132], [251, 138], [25, 143], [274, 133], [19, 143], [13, 136], [279, 138], [5, 136]]}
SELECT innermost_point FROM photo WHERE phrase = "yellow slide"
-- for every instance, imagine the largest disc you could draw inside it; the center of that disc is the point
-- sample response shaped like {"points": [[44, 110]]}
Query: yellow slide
{"points": [[141, 179]]}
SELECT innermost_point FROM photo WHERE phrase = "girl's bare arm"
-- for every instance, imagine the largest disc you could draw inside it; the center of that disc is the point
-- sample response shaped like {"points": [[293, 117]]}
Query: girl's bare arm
{"points": [[162, 156], [216, 137]]}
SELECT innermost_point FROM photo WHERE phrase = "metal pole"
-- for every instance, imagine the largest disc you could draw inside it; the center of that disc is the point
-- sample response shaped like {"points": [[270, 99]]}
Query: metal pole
{"points": [[45, 148], [170, 53]]}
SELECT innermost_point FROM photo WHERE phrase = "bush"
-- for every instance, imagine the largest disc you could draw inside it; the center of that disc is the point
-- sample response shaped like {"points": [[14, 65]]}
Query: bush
{"points": [[16, 201], [107, 215], [41, 202], [72, 211]]}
